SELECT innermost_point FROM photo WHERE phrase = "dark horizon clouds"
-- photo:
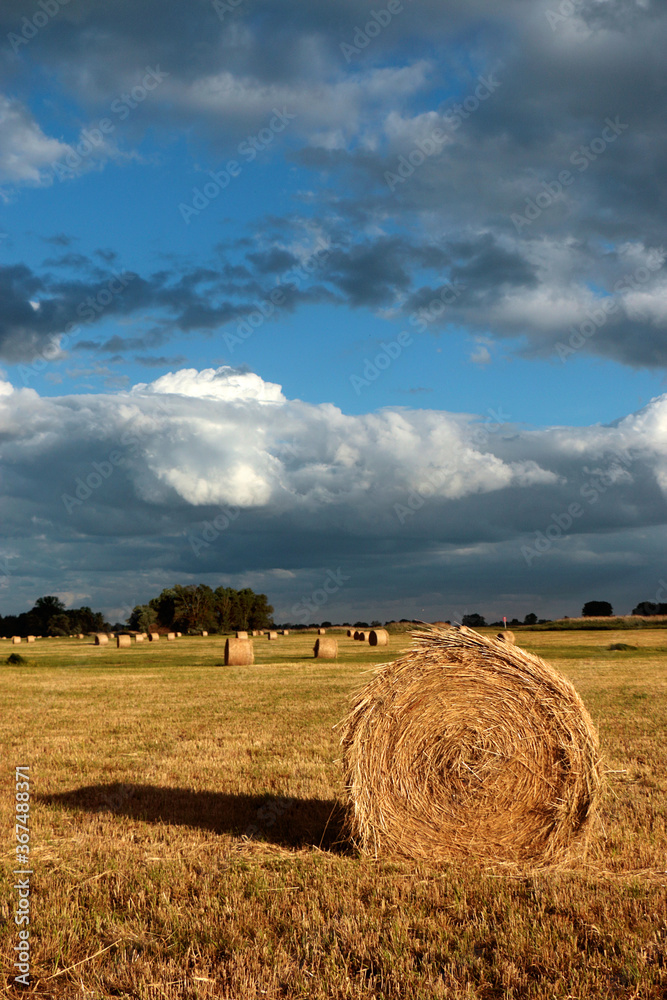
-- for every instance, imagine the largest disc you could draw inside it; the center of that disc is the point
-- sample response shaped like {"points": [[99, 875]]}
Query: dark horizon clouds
{"points": [[359, 204]]}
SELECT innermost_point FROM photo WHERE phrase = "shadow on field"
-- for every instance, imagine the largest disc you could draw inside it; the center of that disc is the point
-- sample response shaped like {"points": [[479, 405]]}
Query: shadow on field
{"points": [[277, 820]]}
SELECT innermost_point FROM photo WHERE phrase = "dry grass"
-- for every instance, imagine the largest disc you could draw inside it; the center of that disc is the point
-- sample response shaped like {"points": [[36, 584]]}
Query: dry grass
{"points": [[186, 819]]}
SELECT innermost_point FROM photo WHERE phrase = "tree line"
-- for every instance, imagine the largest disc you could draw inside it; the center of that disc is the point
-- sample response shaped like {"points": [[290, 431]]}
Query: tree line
{"points": [[192, 608]]}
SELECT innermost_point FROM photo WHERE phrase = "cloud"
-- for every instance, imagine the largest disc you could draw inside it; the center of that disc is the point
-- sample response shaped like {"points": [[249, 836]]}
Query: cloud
{"points": [[407, 502], [25, 151]]}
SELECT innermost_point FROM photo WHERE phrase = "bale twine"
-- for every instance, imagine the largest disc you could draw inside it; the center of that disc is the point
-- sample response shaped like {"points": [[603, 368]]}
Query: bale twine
{"points": [[101, 639], [171, 637], [153, 636], [470, 747], [378, 637], [241, 635], [326, 649], [271, 635], [123, 641], [321, 631], [507, 636], [238, 652]]}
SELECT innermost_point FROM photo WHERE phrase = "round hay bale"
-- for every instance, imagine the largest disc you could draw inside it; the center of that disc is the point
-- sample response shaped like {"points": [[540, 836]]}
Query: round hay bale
{"points": [[285, 631], [16, 639], [171, 637], [123, 641], [363, 636], [321, 631], [378, 637], [326, 649], [178, 635], [139, 637], [30, 638], [153, 636], [238, 652], [507, 636], [349, 633], [467, 746], [241, 635], [101, 639], [271, 635], [204, 633]]}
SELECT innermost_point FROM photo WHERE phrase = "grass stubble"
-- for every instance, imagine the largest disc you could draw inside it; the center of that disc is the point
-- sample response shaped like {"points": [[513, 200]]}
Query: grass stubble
{"points": [[188, 836]]}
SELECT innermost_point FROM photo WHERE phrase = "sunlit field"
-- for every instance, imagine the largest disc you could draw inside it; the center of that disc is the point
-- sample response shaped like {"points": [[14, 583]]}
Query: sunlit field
{"points": [[188, 839]]}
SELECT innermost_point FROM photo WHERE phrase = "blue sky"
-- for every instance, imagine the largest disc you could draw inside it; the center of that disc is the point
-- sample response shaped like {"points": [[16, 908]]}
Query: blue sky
{"points": [[460, 220]]}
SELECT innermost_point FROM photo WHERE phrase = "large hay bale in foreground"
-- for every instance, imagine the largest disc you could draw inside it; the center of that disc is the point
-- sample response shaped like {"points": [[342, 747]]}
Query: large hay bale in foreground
{"points": [[101, 639], [378, 637], [467, 746], [238, 652], [326, 649]]}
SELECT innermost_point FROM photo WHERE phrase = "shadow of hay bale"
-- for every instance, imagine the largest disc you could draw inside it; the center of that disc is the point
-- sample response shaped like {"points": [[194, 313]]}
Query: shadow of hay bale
{"points": [[279, 820]]}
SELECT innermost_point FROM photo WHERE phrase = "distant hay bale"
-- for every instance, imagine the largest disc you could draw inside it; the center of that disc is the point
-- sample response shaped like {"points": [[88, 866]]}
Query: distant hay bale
{"points": [[153, 636], [171, 637], [378, 637], [204, 633], [321, 631], [123, 641], [285, 631], [349, 633], [363, 636], [139, 637], [178, 635], [238, 652], [467, 746], [101, 639], [241, 635], [80, 635], [30, 638], [271, 635], [507, 636], [326, 649], [16, 639]]}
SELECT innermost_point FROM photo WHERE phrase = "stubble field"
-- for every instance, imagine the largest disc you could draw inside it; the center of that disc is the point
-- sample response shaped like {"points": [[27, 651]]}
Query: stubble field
{"points": [[187, 835]]}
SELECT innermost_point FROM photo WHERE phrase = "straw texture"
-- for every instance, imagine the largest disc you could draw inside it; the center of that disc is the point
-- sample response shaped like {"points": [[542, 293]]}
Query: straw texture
{"points": [[467, 746]]}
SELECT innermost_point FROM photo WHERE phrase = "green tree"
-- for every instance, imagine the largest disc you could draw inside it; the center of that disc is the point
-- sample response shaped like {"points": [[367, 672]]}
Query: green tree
{"points": [[597, 609], [473, 621]]}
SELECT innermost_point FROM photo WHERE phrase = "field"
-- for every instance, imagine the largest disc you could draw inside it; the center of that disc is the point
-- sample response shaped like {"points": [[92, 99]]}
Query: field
{"points": [[187, 835]]}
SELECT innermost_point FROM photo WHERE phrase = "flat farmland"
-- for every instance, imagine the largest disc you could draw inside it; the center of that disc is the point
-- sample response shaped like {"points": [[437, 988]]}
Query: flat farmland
{"points": [[187, 835]]}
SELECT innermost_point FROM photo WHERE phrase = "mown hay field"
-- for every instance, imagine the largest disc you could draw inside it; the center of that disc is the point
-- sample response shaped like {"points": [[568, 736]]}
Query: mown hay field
{"points": [[188, 840]]}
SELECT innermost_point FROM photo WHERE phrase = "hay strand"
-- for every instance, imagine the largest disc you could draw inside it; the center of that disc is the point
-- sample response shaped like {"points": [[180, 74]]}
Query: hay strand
{"points": [[326, 649], [238, 652], [467, 746]]}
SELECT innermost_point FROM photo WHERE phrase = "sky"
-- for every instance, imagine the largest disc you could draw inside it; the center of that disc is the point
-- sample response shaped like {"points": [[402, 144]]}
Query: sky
{"points": [[360, 305]]}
